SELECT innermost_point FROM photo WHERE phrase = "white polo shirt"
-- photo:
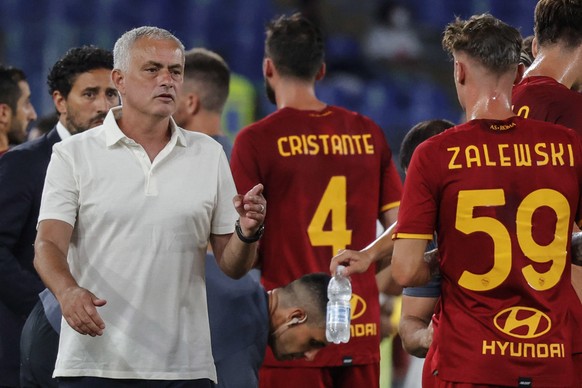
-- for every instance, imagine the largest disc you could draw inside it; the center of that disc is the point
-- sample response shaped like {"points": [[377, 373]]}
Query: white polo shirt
{"points": [[140, 234]]}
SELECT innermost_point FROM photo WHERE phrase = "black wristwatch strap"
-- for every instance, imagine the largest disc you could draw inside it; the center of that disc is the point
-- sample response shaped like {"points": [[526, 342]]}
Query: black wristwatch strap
{"points": [[248, 240]]}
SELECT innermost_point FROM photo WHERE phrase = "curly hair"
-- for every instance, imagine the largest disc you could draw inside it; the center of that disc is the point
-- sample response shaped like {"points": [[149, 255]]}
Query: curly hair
{"points": [[77, 60]]}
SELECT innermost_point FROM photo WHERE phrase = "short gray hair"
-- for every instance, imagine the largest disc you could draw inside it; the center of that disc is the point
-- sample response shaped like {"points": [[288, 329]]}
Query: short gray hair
{"points": [[125, 43]]}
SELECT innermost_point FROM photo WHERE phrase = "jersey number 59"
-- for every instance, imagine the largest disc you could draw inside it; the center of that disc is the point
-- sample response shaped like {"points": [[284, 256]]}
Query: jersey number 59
{"points": [[555, 252]]}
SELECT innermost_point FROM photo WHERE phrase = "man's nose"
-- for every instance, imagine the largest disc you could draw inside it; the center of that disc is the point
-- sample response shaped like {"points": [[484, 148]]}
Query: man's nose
{"points": [[103, 103], [166, 77], [32, 115]]}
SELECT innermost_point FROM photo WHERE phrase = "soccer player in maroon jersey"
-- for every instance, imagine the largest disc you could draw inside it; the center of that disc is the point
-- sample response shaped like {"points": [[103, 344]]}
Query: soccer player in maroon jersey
{"points": [[545, 93], [328, 176], [502, 193]]}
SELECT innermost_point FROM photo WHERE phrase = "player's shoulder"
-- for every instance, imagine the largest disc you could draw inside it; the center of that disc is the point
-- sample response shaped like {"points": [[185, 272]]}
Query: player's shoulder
{"points": [[350, 114], [542, 86], [84, 138], [545, 126], [262, 124]]}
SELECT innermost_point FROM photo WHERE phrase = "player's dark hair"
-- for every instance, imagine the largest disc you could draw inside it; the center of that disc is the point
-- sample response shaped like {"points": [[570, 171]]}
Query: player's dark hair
{"points": [[417, 134], [310, 293], [76, 61], [558, 21], [526, 56], [211, 76], [495, 44], [295, 45], [9, 89]]}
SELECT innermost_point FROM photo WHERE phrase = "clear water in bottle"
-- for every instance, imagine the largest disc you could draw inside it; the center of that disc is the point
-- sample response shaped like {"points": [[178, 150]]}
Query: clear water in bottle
{"points": [[339, 293]]}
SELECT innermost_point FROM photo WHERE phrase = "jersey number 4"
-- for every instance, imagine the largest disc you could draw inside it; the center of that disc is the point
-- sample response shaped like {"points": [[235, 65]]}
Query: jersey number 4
{"points": [[555, 252], [333, 204]]}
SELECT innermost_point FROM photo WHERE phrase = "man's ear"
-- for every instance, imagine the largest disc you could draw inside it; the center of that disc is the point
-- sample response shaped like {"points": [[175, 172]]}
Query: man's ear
{"points": [[297, 316], [60, 102], [321, 73], [534, 47], [460, 72], [268, 67], [5, 114], [519, 73], [118, 81], [192, 103]]}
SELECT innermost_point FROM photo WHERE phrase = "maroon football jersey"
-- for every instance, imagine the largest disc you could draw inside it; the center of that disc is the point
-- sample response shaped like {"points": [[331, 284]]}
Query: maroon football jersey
{"points": [[328, 175], [502, 197], [544, 98]]}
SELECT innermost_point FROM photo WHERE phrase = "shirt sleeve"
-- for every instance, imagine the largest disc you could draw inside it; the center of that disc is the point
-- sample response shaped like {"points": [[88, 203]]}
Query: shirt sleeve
{"points": [[391, 188], [244, 163], [418, 209], [225, 214], [60, 196]]}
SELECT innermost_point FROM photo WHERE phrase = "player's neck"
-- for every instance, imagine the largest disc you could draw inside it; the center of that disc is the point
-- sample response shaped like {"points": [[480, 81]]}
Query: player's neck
{"points": [[490, 104], [205, 122], [273, 298], [299, 96], [558, 63]]}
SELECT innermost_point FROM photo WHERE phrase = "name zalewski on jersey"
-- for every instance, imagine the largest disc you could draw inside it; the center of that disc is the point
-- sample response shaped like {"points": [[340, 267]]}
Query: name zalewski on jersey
{"points": [[511, 155]]}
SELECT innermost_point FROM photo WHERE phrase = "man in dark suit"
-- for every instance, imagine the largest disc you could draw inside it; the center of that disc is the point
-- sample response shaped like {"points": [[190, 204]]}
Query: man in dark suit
{"points": [[82, 91]]}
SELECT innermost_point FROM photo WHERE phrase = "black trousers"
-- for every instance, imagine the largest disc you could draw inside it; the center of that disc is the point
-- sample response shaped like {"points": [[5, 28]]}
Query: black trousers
{"points": [[39, 345]]}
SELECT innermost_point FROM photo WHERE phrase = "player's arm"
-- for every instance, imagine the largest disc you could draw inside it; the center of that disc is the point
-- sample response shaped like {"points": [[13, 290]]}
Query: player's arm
{"points": [[409, 267], [576, 247], [78, 304], [236, 253], [386, 283], [360, 261], [415, 327]]}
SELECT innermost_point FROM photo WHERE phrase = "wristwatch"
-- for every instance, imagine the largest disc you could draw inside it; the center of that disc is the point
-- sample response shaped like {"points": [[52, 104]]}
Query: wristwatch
{"points": [[253, 238]]}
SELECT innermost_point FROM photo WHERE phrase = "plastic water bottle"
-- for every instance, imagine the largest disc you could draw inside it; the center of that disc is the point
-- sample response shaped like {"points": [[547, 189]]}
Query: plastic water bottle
{"points": [[339, 293]]}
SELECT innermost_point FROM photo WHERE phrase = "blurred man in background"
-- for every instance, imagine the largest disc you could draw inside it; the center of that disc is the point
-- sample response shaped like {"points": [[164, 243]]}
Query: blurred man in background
{"points": [[16, 110]]}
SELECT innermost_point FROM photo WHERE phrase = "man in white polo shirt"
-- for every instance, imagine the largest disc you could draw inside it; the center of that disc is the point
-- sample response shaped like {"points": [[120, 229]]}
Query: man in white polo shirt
{"points": [[127, 212]]}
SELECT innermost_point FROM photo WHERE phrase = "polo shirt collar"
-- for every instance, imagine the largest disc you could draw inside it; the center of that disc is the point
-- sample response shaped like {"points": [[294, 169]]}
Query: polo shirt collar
{"points": [[113, 133]]}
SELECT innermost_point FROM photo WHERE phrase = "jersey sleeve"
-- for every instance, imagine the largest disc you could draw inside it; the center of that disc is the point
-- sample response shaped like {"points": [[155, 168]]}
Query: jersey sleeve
{"points": [[418, 209], [225, 214], [391, 184], [244, 163], [578, 213]]}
